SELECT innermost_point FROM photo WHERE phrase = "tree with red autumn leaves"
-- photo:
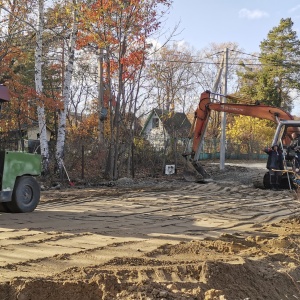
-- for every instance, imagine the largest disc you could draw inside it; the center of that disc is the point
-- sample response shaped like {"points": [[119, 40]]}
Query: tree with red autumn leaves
{"points": [[120, 29]]}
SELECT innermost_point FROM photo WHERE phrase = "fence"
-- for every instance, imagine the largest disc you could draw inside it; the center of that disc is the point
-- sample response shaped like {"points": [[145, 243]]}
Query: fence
{"points": [[245, 151], [236, 156]]}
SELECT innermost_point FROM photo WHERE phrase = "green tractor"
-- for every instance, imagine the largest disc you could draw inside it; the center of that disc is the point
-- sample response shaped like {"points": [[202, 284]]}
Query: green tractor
{"points": [[19, 189]]}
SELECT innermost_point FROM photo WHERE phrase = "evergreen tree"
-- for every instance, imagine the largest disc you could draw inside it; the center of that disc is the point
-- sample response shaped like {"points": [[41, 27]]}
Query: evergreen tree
{"points": [[278, 72]]}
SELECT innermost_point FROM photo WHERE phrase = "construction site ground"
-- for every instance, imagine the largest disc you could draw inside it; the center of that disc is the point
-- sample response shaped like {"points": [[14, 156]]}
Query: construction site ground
{"points": [[156, 238]]}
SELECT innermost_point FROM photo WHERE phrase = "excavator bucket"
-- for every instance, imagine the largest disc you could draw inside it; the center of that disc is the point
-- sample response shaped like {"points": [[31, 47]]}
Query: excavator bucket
{"points": [[194, 172]]}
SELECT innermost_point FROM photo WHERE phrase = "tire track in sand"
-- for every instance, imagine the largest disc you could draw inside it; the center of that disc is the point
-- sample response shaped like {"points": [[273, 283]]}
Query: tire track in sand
{"points": [[80, 230]]}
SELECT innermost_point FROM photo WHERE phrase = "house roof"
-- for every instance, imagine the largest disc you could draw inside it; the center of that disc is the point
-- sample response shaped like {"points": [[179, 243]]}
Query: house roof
{"points": [[25, 127], [172, 121]]}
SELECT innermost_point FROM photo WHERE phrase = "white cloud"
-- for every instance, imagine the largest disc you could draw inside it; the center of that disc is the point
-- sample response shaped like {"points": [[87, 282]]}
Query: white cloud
{"points": [[297, 7], [252, 14]]}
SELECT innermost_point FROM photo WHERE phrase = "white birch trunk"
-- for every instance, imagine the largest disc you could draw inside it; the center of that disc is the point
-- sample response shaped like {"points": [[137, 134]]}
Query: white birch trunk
{"points": [[61, 133], [39, 88]]}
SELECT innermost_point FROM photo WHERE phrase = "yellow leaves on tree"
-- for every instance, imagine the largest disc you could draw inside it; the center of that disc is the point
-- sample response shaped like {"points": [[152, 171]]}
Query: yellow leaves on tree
{"points": [[248, 131]]}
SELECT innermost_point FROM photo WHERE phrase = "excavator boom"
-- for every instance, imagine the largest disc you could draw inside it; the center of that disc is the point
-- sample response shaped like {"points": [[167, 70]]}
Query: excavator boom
{"points": [[206, 105], [201, 118]]}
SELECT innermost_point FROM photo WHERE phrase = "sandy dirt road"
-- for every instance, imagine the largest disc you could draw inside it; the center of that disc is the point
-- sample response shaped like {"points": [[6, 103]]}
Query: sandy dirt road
{"points": [[168, 240]]}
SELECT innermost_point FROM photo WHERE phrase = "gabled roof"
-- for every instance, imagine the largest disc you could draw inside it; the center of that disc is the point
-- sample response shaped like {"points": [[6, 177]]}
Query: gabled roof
{"points": [[25, 127], [172, 121]]}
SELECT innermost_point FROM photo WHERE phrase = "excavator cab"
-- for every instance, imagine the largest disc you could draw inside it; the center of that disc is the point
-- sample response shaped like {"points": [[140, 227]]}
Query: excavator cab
{"points": [[283, 137]]}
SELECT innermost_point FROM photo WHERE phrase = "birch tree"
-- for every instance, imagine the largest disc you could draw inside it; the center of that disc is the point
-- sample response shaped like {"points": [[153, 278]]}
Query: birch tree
{"points": [[39, 88], [61, 135]]}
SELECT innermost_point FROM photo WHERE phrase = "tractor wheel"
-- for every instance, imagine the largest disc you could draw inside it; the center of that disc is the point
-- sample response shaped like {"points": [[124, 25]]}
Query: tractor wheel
{"points": [[26, 195]]}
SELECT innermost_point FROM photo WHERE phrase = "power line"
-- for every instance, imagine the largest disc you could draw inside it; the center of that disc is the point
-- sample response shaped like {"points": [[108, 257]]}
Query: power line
{"points": [[286, 61], [272, 62], [187, 55], [238, 51], [230, 64]]}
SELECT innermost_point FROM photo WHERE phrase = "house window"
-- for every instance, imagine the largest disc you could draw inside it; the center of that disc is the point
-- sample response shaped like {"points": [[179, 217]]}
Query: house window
{"points": [[155, 122]]}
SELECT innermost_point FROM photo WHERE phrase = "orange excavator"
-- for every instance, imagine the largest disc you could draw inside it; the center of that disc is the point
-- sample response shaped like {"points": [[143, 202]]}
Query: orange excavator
{"points": [[286, 125]]}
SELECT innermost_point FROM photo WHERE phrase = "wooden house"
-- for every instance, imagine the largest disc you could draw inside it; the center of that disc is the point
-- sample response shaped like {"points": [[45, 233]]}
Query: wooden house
{"points": [[161, 126], [28, 137]]}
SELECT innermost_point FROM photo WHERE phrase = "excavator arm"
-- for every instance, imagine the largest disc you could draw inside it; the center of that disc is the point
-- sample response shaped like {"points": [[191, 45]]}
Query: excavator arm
{"points": [[206, 105], [201, 118]]}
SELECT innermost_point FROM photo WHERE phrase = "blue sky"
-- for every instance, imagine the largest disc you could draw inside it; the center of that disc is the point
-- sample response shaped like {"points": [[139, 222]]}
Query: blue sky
{"points": [[246, 22]]}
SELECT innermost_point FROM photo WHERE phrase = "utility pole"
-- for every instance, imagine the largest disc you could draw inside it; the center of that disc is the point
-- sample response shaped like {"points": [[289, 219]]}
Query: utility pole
{"points": [[223, 115], [214, 90], [219, 75]]}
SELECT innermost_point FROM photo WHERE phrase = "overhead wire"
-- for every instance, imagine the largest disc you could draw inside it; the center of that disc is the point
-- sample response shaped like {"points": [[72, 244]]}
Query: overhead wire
{"points": [[286, 63], [230, 63]]}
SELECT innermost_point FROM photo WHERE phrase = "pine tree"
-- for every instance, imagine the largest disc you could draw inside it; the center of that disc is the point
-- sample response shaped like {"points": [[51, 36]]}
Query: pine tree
{"points": [[278, 73]]}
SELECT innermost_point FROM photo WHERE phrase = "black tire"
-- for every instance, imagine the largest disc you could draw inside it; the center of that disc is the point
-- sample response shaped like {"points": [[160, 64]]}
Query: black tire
{"points": [[25, 196]]}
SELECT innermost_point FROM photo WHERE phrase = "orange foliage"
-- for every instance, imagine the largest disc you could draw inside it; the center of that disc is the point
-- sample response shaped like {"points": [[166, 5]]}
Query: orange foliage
{"points": [[21, 108], [84, 128], [121, 27]]}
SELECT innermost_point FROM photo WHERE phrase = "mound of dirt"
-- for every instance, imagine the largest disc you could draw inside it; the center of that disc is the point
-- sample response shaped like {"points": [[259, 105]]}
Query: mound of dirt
{"points": [[232, 267]]}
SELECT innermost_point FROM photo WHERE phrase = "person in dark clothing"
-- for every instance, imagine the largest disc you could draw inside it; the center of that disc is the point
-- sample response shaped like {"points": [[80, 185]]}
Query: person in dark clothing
{"points": [[274, 164]]}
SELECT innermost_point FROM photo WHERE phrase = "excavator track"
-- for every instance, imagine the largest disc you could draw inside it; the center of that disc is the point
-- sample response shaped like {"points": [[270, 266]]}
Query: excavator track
{"points": [[261, 180]]}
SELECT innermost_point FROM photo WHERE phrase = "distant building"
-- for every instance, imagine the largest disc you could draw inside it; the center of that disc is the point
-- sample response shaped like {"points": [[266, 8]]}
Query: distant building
{"points": [[162, 125], [28, 137]]}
